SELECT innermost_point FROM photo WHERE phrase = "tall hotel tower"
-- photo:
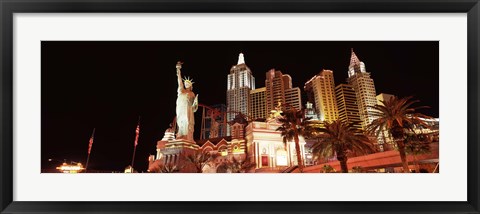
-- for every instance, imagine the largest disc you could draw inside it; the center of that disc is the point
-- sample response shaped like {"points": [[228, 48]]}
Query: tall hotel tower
{"points": [[364, 88], [347, 105], [239, 83], [321, 92], [279, 89], [257, 103]]}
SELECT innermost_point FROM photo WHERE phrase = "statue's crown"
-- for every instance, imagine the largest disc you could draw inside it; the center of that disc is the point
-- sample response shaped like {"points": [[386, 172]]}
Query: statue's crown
{"points": [[188, 80]]}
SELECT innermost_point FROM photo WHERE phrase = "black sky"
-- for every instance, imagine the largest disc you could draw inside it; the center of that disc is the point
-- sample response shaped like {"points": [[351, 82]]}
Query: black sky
{"points": [[107, 85]]}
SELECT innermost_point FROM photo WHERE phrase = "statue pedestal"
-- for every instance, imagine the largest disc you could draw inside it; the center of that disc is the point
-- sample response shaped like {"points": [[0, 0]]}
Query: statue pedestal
{"points": [[181, 143], [176, 151]]}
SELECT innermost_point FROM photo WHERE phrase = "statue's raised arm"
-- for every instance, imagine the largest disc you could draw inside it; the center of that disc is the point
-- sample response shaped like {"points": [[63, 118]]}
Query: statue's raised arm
{"points": [[179, 76]]}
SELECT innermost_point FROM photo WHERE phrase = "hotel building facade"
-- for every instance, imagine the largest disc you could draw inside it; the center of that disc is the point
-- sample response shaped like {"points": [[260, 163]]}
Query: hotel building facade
{"points": [[239, 83], [265, 146], [321, 90], [258, 107], [347, 105], [279, 89], [364, 87]]}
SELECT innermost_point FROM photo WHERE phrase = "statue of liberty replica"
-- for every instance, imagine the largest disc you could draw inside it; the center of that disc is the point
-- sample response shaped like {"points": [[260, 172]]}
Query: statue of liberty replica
{"points": [[172, 151], [187, 104]]}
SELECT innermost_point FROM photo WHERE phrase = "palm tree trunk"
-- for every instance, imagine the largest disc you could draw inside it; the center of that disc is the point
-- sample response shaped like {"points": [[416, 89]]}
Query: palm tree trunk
{"points": [[417, 166], [343, 165], [199, 168], [299, 154], [342, 158], [403, 156]]}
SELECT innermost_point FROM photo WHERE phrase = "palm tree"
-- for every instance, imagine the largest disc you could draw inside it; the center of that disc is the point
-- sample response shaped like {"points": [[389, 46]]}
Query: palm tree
{"points": [[200, 159], [397, 116], [240, 166], [327, 169], [358, 169], [169, 168], [164, 168], [342, 140], [294, 124], [416, 144], [223, 168]]}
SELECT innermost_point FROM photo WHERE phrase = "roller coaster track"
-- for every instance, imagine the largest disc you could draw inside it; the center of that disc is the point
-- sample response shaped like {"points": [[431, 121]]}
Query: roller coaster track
{"points": [[210, 112]]}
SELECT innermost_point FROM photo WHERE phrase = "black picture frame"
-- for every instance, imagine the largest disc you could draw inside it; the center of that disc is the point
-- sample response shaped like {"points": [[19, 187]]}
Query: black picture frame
{"points": [[9, 7]]}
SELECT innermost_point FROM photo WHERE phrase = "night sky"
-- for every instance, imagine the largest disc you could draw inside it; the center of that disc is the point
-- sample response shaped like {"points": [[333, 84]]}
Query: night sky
{"points": [[108, 85]]}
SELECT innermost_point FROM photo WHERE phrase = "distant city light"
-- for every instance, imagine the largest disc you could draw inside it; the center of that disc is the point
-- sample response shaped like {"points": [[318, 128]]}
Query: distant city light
{"points": [[71, 168]]}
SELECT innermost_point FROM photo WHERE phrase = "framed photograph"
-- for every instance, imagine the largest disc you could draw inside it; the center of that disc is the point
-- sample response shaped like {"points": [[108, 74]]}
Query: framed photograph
{"points": [[258, 107]]}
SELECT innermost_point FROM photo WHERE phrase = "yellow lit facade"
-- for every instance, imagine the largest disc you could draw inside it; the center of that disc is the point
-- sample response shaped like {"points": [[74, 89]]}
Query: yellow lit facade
{"points": [[364, 89], [382, 97], [293, 97], [321, 88], [258, 103], [384, 136]]}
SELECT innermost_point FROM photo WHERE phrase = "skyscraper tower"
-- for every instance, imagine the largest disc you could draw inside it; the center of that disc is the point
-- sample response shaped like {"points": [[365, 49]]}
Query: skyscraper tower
{"points": [[321, 92], [239, 83], [362, 83], [257, 103], [347, 105], [279, 89]]}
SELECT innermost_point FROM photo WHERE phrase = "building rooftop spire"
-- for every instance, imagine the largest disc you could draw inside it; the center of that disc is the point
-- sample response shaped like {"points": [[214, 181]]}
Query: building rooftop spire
{"points": [[241, 60], [354, 59]]}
